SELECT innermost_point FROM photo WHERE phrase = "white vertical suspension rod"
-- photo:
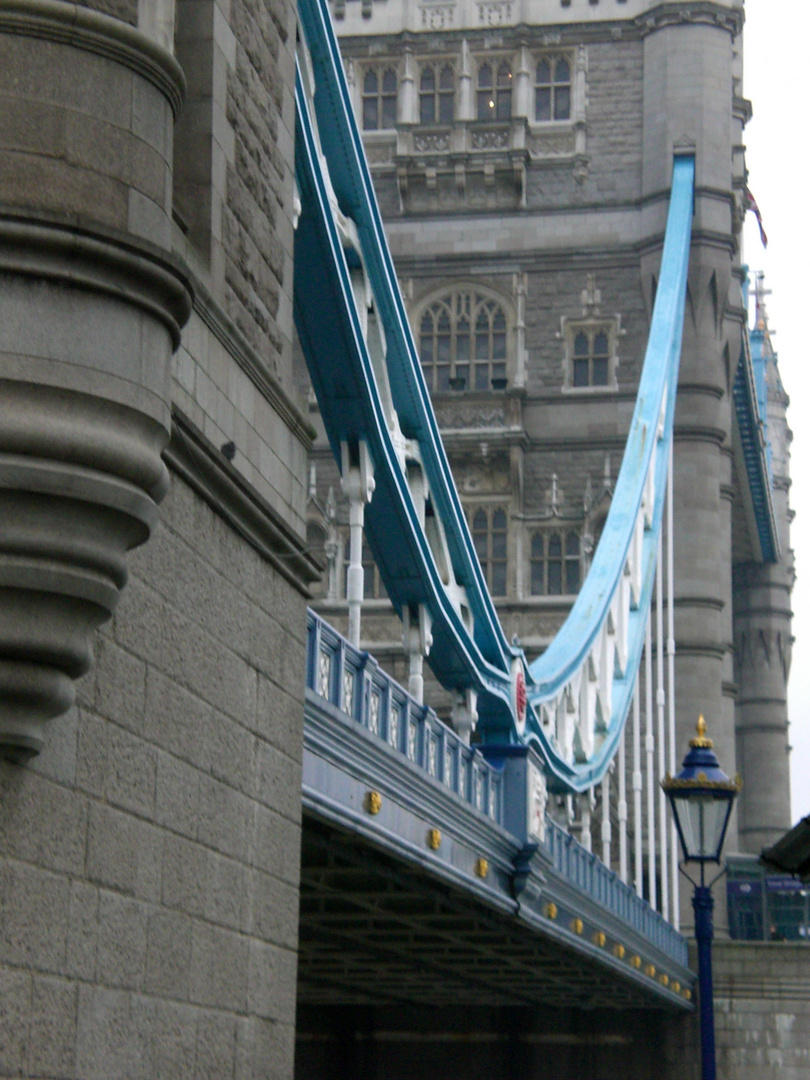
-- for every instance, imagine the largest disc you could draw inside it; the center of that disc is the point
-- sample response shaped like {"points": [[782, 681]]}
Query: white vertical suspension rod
{"points": [[638, 855], [660, 701], [649, 762], [622, 807], [606, 826], [357, 481], [585, 836], [670, 585]]}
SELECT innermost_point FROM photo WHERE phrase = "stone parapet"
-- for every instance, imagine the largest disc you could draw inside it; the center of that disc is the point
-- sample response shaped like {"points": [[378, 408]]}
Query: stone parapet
{"points": [[762, 1010]]}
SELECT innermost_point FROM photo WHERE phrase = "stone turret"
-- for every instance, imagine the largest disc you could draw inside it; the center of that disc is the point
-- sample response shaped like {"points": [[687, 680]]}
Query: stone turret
{"points": [[686, 104], [762, 625], [91, 307]]}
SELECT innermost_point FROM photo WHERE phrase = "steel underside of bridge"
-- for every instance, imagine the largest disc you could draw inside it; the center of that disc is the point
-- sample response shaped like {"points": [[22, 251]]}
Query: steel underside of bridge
{"points": [[417, 888], [375, 931]]}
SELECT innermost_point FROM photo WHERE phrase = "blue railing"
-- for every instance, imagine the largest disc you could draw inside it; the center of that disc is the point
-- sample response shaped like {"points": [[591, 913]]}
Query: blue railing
{"points": [[354, 683], [588, 873], [359, 691]]}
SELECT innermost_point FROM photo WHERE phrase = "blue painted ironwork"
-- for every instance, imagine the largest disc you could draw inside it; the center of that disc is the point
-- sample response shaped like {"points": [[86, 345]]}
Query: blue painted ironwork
{"points": [[349, 389], [357, 686], [584, 869], [703, 903], [357, 692], [646, 457], [374, 393], [750, 406]]}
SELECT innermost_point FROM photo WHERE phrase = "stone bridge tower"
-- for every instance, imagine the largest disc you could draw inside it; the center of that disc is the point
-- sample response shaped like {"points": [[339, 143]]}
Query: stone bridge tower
{"points": [[151, 700]]}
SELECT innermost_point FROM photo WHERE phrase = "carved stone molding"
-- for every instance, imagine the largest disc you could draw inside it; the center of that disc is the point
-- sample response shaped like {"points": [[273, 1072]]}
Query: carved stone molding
{"points": [[87, 327], [475, 415], [81, 27], [705, 13], [379, 153], [493, 139], [495, 12], [91, 308], [204, 468], [438, 16], [252, 363]]}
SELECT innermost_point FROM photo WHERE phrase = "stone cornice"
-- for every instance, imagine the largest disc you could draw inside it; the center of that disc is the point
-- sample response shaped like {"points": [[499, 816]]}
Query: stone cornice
{"points": [[116, 265], [71, 24], [699, 433], [712, 603], [566, 32], [702, 13], [702, 649], [202, 466]]}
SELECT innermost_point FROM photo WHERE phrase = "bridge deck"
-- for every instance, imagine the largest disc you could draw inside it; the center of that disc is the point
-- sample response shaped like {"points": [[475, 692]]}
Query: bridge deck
{"points": [[414, 888]]}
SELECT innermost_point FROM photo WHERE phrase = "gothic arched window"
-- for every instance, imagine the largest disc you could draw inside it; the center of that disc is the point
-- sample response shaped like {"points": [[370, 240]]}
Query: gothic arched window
{"points": [[495, 91], [379, 99], [462, 343], [552, 89], [489, 532], [555, 563], [437, 92]]}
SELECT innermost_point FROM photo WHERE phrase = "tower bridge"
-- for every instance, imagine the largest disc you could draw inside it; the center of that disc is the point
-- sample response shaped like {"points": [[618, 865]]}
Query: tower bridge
{"points": [[415, 797], [430, 874], [550, 724]]}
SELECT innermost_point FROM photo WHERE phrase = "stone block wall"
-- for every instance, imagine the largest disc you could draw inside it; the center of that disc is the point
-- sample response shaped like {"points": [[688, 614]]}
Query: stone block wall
{"points": [[762, 1010], [233, 164], [256, 220], [149, 857], [614, 136]]}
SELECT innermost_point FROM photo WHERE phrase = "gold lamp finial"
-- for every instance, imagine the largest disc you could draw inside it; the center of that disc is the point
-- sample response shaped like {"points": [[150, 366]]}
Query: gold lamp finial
{"points": [[701, 739]]}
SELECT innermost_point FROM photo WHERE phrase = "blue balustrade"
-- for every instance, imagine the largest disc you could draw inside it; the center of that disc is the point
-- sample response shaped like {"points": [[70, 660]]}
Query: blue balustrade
{"points": [[587, 872], [353, 682]]}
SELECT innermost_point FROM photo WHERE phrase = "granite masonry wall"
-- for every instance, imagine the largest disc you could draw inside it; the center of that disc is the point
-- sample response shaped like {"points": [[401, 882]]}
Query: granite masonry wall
{"points": [[149, 853], [762, 1010], [149, 856]]}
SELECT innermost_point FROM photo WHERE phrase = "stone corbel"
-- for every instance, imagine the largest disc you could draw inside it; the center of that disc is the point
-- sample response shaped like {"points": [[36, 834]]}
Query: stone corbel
{"points": [[402, 186], [465, 714], [461, 180]]}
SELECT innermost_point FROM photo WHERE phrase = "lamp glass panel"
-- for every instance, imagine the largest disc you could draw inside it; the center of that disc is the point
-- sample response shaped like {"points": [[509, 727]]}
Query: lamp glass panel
{"points": [[702, 819]]}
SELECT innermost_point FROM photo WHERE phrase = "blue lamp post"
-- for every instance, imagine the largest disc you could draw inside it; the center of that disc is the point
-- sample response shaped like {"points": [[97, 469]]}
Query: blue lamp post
{"points": [[702, 798]]}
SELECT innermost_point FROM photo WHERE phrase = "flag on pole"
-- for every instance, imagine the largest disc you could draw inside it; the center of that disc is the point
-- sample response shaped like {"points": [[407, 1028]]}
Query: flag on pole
{"points": [[751, 204]]}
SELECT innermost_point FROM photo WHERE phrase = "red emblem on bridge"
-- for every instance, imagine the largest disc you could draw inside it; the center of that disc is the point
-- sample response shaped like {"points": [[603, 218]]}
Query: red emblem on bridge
{"points": [[519, 692]]}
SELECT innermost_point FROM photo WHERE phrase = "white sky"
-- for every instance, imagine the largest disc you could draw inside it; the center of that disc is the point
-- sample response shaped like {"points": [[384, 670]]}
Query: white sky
{"points": [[776, 35]]}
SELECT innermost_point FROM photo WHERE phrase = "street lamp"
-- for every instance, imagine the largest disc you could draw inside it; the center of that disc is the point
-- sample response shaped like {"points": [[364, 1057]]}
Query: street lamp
{"points": [[702, 798]]}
